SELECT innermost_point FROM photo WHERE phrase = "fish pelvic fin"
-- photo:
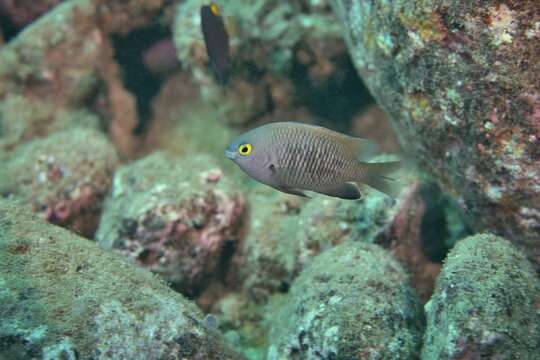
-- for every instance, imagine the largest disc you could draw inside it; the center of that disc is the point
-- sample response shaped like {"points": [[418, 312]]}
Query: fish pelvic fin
{"points": [[376, 176]]}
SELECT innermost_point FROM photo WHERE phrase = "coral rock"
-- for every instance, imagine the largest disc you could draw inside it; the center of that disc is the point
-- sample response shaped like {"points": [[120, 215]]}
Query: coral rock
{"points": [[66, 58], [461, 82], [22, 12], [65, 177], [288, 232], [486, 304], [352, 302], [264, 36], [426, 224], [22, 119], [180, 218], [64, 298]]}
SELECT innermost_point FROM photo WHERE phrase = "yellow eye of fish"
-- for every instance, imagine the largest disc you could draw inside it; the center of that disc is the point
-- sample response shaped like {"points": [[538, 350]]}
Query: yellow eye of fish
{"points": [[244, 149], [215, 10]]}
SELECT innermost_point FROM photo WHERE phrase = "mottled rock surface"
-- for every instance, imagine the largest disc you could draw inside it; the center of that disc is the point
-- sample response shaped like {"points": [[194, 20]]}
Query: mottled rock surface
{"points": [[486, 304], [66, 59], [22, 119], [461, 81], [353, 302], [285, 233], [20, 13], [269, 29], [178, 217], [64, 177], [184, 125], [425, 225], [284, 57], [62, 297], [242, 322]]}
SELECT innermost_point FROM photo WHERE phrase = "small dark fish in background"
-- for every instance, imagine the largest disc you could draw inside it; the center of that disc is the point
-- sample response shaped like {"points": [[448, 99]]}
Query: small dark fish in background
{"points": [[293, 157], [216, 40]]}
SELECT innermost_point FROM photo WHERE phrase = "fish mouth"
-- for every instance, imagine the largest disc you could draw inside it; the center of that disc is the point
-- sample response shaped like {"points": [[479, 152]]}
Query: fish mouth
{"points": [[230, 154]]}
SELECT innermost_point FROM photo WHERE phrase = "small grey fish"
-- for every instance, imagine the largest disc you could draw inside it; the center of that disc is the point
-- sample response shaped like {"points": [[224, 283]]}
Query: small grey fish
{"points": [[293, 157]]}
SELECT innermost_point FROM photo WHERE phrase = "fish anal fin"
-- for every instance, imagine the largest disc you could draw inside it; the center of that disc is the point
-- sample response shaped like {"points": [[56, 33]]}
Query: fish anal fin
{"points": [[376, 176], [347, 191], [292, 191]]}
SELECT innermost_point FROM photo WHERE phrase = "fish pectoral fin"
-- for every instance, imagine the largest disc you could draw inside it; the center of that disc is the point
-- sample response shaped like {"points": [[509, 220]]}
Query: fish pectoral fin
{"points": [[292, 191], [347, 191]]}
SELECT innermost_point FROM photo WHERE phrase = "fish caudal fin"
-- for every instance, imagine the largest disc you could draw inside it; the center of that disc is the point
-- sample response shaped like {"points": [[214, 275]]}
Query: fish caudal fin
{"points": [[377, 177]]}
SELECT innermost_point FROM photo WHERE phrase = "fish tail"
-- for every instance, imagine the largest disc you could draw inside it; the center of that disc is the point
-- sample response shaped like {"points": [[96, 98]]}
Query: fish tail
{"points": [[376, 176]]}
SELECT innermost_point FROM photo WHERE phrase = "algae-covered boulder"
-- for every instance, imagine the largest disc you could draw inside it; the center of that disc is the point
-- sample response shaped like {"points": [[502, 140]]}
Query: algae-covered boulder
{"points": [[353, 302], [65, 177], [22, 119], [23, 12], [61, 297], [67, 59], [286, 232], [461, 82], [178, 217], [486, 304], [426, 224], [242, 323]]}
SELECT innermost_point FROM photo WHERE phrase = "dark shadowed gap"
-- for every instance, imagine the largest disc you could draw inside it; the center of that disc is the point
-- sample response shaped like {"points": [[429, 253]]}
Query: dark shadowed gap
{"points": [[442, 224], [15, 15], [142, 83], [229, 249], [335, 101], [8, 29], [433, 230]]}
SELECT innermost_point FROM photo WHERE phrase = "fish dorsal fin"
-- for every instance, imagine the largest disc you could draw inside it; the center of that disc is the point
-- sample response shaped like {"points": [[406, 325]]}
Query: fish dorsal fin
{"points": [[364, 149]]}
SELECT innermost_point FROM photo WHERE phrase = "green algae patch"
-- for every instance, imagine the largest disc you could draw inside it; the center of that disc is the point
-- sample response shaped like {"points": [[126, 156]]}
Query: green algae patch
{"points": [[64, 177], [353, 302], [176, 217], [429, 26], [22, 119], [88, 303], [463, 103], [486, 304]]}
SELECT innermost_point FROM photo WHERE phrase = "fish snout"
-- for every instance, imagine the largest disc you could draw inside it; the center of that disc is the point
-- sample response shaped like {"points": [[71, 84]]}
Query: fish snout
{"points": [[230, 154]]}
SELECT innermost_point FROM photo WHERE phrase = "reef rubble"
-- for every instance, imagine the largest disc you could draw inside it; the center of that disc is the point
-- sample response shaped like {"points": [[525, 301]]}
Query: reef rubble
{"points": [[113, 126], [352, 302], [461, 84], [64, 177], [486, 304], [181, 218], [62, 297]]}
